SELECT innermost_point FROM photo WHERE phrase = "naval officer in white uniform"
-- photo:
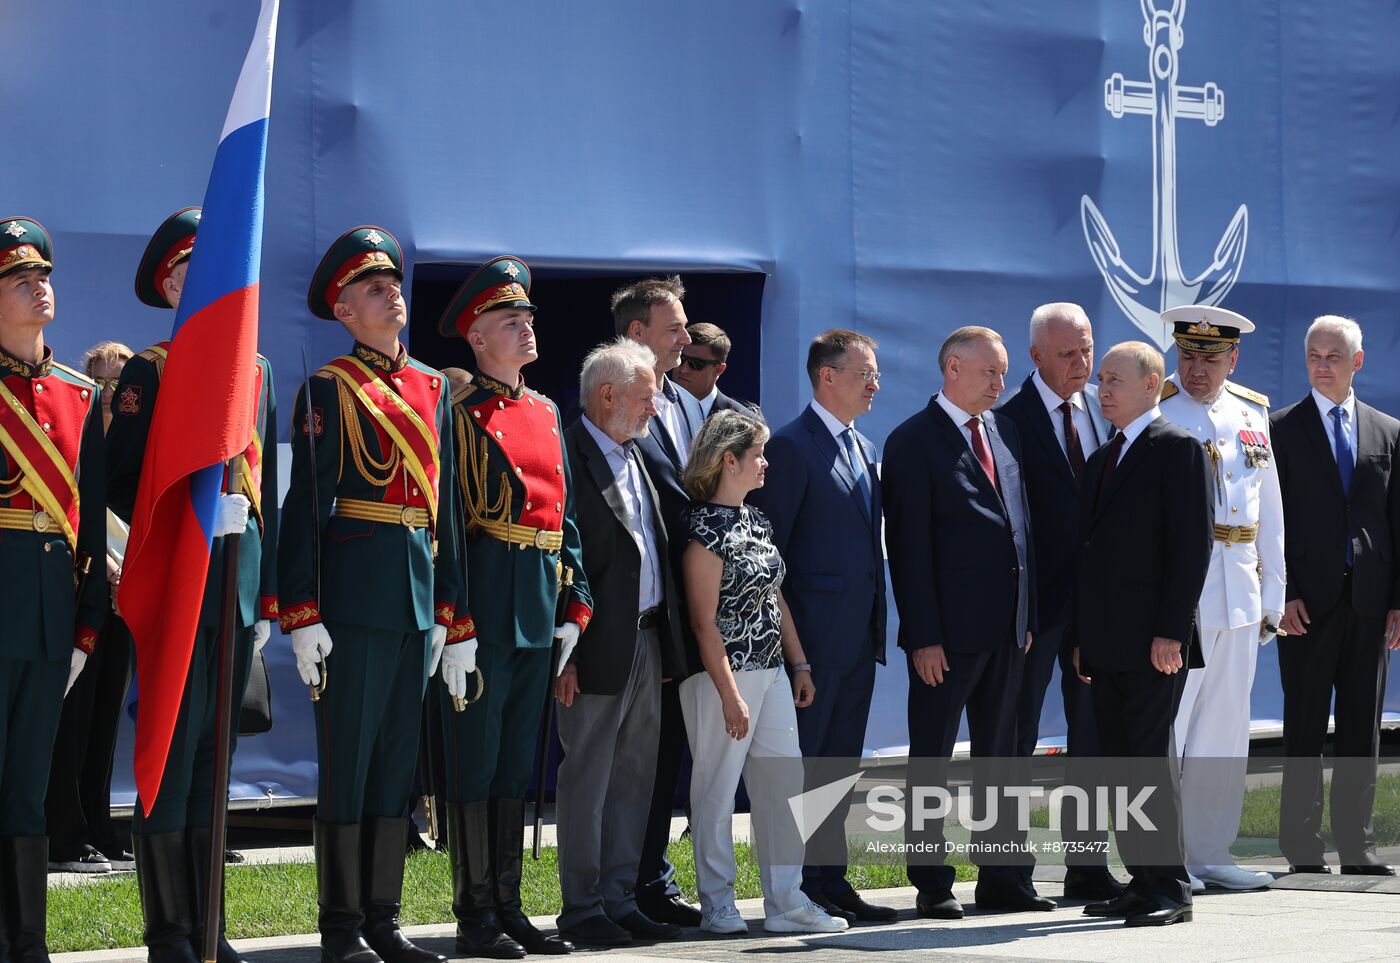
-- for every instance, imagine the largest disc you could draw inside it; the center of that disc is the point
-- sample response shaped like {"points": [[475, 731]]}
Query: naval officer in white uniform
{"points": [[1242, 602]]}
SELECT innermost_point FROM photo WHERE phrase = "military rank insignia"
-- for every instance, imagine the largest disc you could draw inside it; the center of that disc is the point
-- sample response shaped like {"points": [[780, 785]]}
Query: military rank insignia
{"points": [[129, 401], [1256, 448]]}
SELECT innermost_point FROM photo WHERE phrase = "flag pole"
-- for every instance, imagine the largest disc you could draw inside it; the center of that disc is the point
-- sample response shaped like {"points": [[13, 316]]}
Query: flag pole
{"points": [[223, 722]]}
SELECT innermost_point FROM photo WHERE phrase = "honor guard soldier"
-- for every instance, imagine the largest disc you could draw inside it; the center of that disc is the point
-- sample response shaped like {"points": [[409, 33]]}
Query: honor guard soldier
{"points": [[172, 842], [367, 604], [522, 549], [1242, 601], [52, 533]]}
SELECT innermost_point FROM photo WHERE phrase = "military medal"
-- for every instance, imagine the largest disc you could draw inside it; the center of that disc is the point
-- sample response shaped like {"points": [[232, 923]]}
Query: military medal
{"points": [[1256, 448]]}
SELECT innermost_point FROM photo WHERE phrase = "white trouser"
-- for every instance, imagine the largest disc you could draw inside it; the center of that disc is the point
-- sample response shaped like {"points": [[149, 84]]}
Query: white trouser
{"points": [[1212, 726], [719, 762]]}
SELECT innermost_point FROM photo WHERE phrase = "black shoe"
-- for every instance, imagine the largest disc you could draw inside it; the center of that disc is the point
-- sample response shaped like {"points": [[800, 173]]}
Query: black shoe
{"points": [[670, 909], [1095, 883], [597, 931], [479, 931], [857, 910], [1007, 899], [340, 893], [1368, 869], [1321, 869], [24, 863], [197, 842], [233, 857], [383, 844], [641, 928], [938, 907], [1125, 903], [1160, 912], [506, 825], [828, 907], [85, 859], [167, 896]]}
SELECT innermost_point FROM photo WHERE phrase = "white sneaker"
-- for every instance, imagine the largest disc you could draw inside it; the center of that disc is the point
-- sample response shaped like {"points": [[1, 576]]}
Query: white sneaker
{"points": [[1197, 887], [724, 920], [1233, 877], [805, 919]]}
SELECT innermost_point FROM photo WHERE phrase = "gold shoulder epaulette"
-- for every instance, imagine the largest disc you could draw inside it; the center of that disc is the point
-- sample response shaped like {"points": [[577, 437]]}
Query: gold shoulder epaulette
{"points": [[152, 353], [1169, 388], [1248, 394], [461, 393], [325, 373], [84, 379]]}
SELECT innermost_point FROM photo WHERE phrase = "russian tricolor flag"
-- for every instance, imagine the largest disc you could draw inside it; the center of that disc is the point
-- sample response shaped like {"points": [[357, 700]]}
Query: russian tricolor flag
{"points": [[203, 418]]}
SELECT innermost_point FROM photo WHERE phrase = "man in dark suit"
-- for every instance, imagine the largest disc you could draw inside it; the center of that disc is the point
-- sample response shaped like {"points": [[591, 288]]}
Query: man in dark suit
{"points": [[961, 564], [823, 498], [1341, 509], [651, 313], [1057, 415], [1146, 527], [610, 690], [702, 362]]}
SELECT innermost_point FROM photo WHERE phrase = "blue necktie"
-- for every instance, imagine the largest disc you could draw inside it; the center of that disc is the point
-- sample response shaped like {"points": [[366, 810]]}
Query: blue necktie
{"points": [[857, 464], [1345, 464]]}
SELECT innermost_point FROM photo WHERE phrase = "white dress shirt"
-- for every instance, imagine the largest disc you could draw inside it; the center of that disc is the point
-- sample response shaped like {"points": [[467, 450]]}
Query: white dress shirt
{"points": [[1324, 408], [707, 403], [961, 418], [837, 429], [675, 418], [1136, 427], [627, 475], [1083, 424]]}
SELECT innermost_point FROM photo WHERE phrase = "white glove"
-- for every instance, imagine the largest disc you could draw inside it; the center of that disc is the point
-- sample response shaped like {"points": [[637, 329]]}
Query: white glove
{"points": [[231, 515], [310, 644], [437, 637], [74, 668], [1270, 618], [458, 662], [262, 631], [567, 634]]}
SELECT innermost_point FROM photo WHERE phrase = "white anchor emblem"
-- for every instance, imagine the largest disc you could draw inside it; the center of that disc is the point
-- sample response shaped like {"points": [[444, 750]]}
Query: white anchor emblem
{"points": [[1161, 98], [511, 269], [14, 230], [374, 237]]}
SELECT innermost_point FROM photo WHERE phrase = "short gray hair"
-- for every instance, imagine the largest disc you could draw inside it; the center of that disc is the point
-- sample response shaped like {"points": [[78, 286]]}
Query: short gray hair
{"points": [[963, 337], [1345, 328], [1055, 311], [618, 362]]}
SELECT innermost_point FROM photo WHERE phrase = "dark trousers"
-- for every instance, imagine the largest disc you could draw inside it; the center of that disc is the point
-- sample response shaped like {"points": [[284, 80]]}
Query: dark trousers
{"points": [[491, 746], [1051, 647], [833, 726], [985, 685], [655, 874], [79, 803], [31, 701], [1342, 652], [367, 723], [186, 795], [1135, 712]]}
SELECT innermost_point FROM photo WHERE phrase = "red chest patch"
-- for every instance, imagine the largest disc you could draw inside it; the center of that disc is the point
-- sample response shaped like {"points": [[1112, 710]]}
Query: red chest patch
{"points": [[129, 401], [527, 433]]}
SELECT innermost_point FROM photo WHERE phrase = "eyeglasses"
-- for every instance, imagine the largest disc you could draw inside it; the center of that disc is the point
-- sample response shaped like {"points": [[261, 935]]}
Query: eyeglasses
{"points": [[107, 384], [697, 363], [868, 375]]}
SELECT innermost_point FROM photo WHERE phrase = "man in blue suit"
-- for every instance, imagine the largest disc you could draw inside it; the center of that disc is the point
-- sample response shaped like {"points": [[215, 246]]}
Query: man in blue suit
{"points": [[962, 567], [1057, 415], [823, 497]]}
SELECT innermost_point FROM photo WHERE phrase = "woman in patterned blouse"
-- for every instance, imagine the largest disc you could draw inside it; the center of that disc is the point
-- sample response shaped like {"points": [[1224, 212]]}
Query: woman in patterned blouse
{"points": [[740, 714]]}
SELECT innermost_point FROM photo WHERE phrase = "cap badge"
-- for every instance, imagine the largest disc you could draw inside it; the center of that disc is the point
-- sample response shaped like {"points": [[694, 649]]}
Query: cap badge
{"points": [[1204, 327], [511, 269], [374, 237], [14, 230]]}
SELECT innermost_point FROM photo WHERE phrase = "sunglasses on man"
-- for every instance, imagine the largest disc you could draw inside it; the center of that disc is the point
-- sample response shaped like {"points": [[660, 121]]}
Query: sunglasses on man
{"points": [[698, 363]]}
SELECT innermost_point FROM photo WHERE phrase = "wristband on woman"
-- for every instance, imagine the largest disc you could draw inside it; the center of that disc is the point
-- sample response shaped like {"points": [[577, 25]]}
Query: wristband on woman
{"points": [[802, 667]]}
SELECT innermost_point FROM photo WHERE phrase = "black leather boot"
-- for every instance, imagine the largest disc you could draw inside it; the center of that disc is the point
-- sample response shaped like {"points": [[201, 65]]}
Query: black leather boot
{"points": [[7, 909], [167, 901], [384, 846], [198, 848], [507, 853], [339, 894], [25, 860], [468, 842]]}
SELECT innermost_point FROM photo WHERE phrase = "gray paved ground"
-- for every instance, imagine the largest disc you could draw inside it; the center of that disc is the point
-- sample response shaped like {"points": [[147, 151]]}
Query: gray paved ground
{"points": [[1276, 925]]}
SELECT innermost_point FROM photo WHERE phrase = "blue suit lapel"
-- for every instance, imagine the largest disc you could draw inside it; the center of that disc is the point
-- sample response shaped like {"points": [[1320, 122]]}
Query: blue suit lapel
{"points": [[831, 451]]}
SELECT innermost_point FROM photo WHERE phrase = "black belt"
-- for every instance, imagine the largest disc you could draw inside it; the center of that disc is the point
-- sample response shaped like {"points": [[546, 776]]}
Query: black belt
{"points": [[649, 618]]}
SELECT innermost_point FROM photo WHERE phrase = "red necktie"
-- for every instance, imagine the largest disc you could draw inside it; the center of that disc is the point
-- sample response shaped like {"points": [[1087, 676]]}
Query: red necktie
{"points": [[1115, 448], [980, 449], [1072, 447]]}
